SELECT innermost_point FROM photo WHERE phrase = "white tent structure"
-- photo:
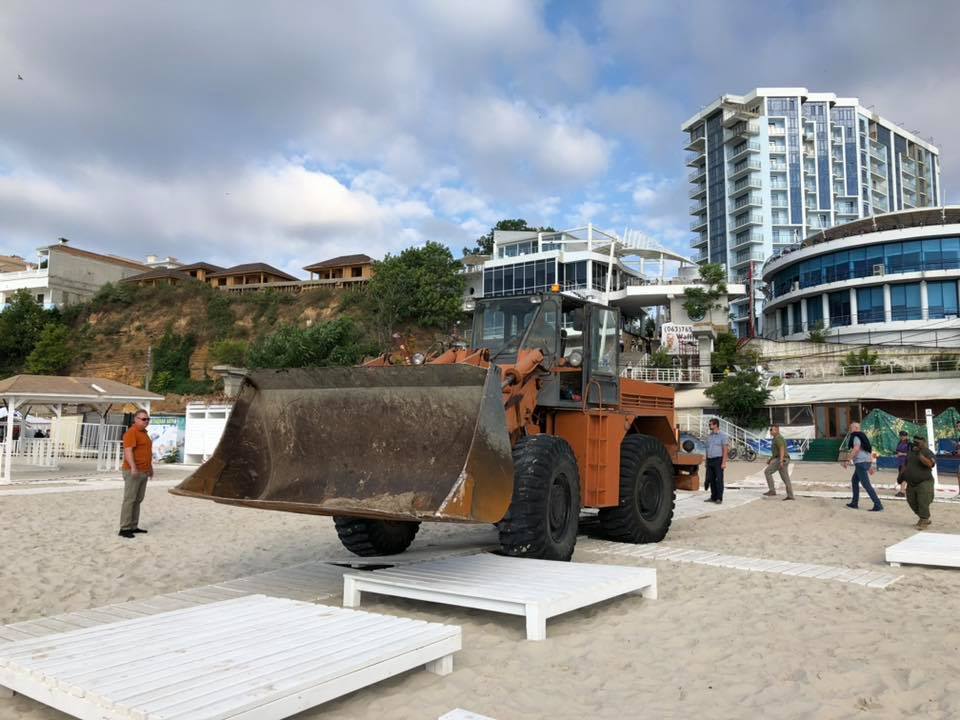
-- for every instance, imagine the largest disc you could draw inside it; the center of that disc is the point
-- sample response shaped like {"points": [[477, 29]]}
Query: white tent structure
{"points": [[22, 392]]}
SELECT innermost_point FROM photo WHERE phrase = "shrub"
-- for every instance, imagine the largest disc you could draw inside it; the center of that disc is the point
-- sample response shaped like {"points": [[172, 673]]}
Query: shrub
{"points": [[855, 362], [338, 342], [229, 352], [219, 315]]}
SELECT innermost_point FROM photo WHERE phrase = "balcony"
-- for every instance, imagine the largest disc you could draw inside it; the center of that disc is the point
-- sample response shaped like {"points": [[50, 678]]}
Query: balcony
{"points": [[743, 168], [698, 192], [736, 114], [877, 171], [697, 139], [698, 208], [741, 151], [751, 200], [846, 209], [742, 129], [750, 219], [782, 237], [778, 167], [698, 174], [779, 186], [908, 165], [699, 223], [777, 148], [837, 140], [776, 130], [695, 159], [700, 241], [751, 182], [750, 239], [754, 257]]}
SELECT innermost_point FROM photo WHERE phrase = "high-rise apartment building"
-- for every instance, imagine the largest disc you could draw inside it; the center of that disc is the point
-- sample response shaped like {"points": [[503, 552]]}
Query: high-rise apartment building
{"points": [[776, 165]]}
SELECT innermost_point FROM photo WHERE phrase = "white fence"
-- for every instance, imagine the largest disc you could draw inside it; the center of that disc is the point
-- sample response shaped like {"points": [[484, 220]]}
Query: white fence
{"points": [[664, 376]]}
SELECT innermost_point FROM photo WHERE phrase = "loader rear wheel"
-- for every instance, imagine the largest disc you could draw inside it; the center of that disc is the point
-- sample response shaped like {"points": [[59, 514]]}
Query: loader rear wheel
{"points": [[647, 493], [544, 513], [369, 538]]}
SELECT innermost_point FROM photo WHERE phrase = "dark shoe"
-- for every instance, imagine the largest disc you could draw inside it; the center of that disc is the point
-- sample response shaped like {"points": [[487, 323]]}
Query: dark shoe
{"points": [[770, 493], [852, 506], [709, 500], [719, 502], [876, 508], [789, 497], [923, 524], [899, 494], [138, 530], [126, 533]]}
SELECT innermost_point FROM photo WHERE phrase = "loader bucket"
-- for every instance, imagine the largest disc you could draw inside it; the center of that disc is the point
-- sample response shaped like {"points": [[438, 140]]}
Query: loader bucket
{"points": [[422, 442]]}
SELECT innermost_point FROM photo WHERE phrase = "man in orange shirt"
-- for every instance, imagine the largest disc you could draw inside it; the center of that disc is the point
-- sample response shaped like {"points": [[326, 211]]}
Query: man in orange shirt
{"points": [[137, 467]]}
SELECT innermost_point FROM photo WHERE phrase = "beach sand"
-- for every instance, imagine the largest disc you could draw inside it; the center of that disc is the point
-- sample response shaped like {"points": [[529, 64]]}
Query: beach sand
{"points": [[719, 643]]}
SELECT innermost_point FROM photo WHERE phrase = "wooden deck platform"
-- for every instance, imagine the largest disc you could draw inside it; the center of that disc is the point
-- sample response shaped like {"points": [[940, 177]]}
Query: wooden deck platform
{"points": [[926, 548], [536, 589], [251, 658]]}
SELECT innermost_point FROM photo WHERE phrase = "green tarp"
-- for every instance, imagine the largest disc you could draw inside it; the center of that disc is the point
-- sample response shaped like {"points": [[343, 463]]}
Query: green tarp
{"points": [[883, 429]]}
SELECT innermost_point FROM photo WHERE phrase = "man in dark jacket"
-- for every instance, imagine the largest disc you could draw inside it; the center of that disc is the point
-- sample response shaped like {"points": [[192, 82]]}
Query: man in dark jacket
{"points": [[861, 455], [918, 473]]}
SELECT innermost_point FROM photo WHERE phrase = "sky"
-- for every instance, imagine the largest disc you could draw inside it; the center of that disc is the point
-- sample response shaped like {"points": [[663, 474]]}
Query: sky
{"points": [[292, 132]]}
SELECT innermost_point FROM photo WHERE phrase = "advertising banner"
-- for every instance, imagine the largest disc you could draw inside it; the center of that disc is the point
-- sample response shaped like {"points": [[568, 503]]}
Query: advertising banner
{"points": [[167, 433], [678, 339]]}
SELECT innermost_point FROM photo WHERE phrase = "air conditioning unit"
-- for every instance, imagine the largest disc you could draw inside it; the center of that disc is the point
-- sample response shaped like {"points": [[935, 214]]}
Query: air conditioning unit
{"points": [[879, 269]]}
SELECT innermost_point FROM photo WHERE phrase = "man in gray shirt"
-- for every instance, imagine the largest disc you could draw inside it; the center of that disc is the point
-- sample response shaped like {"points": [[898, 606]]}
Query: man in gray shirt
{"points": [[717, 443], [861, 455]]}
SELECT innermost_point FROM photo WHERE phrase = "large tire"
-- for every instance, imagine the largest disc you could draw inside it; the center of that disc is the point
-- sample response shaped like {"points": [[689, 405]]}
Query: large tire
{"points": [[543, 516], [370, 538], [647, 493]]}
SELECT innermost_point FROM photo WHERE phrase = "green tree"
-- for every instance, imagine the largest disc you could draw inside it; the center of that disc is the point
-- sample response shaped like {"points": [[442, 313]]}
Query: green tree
{"points": [[699, 301], [741, 397], [338, 342], [421, 285], [53, 351], [485, 242], [660, 358], [649, 327], [21, 325], [817, 333], [229, 352]]}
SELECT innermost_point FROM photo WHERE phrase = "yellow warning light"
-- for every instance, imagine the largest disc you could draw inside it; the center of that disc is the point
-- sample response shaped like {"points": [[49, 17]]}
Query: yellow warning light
{"points": [[555, 287]]}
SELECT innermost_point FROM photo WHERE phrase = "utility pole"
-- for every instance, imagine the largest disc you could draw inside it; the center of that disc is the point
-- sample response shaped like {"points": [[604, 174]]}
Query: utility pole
{"points": [[149, 375]]}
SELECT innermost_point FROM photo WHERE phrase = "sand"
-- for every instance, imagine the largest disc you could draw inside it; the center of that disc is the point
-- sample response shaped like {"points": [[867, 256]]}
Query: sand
{"points": [[719, 643]]}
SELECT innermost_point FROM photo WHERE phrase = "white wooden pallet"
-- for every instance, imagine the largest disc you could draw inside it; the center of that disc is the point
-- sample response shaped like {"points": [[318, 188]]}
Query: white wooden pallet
{"points": [[926, 548], [536, 589], [867, 578], [251, 658], [310, 581]]}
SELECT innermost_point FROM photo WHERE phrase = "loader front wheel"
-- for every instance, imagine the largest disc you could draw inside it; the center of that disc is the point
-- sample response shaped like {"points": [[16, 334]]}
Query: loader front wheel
{"points": [[543, 516], [647, 493], [370, 538]]}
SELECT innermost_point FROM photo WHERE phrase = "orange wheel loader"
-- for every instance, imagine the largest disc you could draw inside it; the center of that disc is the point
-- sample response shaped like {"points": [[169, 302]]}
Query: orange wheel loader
{"points": [[524, 428]]}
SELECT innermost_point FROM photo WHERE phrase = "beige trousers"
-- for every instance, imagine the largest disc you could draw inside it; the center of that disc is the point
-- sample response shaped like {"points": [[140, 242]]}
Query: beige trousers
{"points": [[773, 467], [134, 487]]}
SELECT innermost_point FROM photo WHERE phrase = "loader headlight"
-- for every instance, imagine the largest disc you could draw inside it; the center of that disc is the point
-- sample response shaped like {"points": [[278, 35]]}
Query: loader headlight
{"points": [[418, 359], [575, 359], [469, 306]]}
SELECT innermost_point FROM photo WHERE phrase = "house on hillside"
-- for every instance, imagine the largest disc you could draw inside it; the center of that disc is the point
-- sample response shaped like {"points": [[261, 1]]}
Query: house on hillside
{"points": [[13, 263], [158, 276], [65, 274], [342, 271], [252, 276], [200, 270]]}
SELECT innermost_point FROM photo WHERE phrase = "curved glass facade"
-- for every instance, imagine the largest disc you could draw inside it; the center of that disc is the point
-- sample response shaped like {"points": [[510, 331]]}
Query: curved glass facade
{"points": [[895, 257]]}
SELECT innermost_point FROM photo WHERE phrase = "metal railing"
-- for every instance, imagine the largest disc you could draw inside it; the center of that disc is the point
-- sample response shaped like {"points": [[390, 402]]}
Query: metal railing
{"points": [[700, 425], [839, 333], [664, 376]]}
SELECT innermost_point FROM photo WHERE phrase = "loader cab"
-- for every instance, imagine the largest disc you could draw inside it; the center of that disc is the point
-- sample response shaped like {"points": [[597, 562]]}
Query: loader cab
{"points": [[580, 342]]}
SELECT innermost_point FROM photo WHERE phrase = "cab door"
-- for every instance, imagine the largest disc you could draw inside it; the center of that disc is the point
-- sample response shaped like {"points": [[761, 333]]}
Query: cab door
{"points": [[601, 375]]}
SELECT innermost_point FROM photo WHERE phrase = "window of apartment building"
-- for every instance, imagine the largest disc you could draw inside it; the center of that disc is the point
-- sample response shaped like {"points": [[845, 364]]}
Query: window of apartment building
{"points": [[905, 302], [521, 279], [796, 312], [870, 305], [942, 299], [839, 308], [814, 312], [836, 267]]}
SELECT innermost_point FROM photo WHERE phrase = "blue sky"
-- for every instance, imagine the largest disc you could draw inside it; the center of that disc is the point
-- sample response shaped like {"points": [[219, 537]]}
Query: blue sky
{"points": [[291, 133]]}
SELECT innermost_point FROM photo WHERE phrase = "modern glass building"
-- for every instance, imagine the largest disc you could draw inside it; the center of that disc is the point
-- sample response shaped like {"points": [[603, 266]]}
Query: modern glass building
{"points": [[773, 166], [892, 278]]}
